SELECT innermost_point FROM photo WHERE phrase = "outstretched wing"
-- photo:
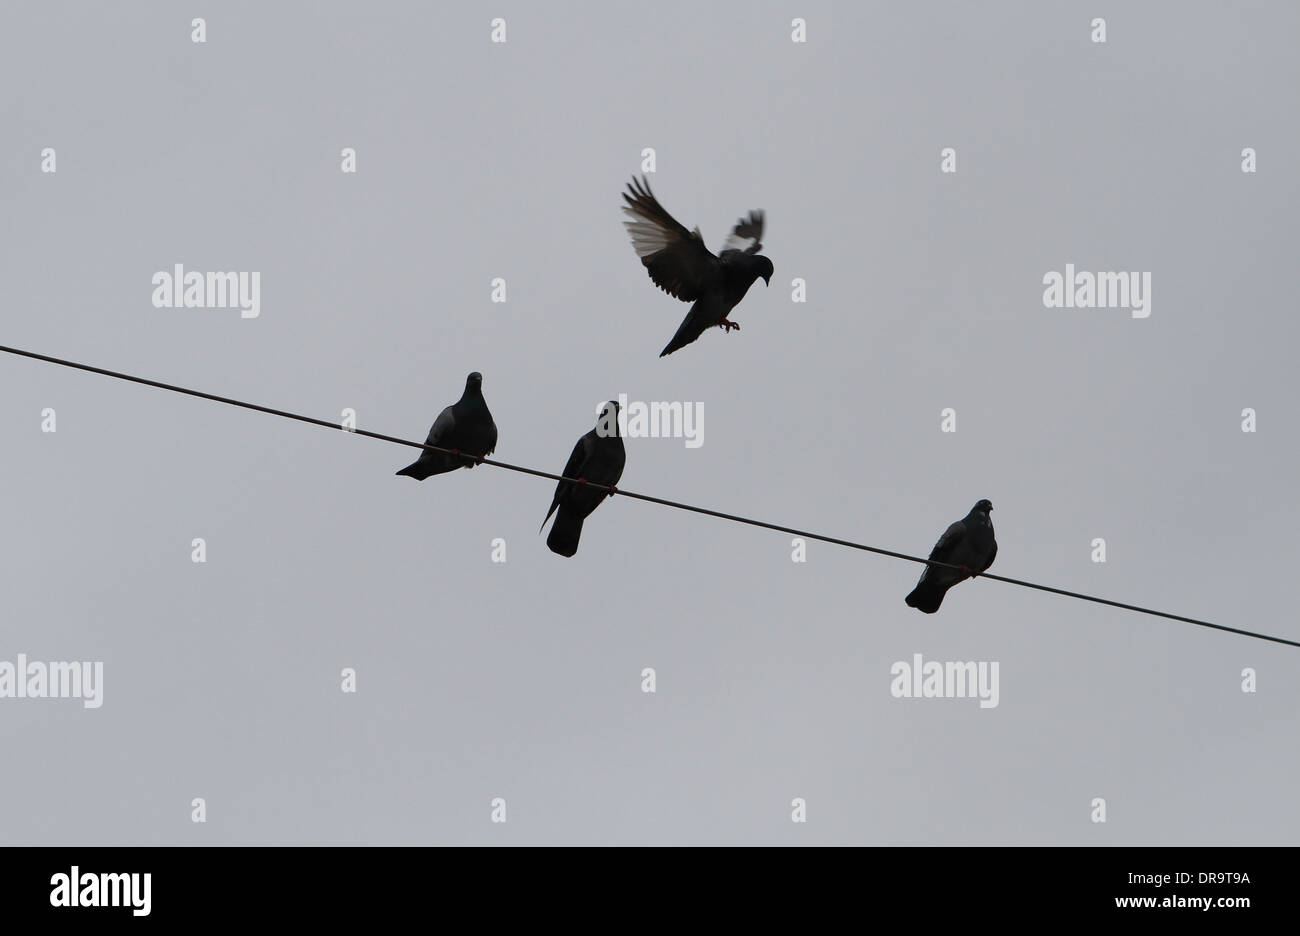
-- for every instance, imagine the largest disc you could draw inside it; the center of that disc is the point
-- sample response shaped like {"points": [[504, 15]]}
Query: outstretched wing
{"points": [[747, 235], [676, 258]]}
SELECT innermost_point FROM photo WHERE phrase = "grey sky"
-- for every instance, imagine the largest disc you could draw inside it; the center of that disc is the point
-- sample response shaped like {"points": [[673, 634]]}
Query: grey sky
{"points": [[522, 680]]}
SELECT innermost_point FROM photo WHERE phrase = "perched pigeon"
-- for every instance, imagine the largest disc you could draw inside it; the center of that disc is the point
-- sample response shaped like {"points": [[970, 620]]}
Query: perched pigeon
{"points": [[968, 543], [598, 457], [683, 267], [465, 426]]}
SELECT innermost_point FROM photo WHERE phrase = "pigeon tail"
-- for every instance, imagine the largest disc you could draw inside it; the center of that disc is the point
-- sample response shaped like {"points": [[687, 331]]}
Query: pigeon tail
{"points": [[676, 344], [423, 468], [926, 597], [565, 533]]}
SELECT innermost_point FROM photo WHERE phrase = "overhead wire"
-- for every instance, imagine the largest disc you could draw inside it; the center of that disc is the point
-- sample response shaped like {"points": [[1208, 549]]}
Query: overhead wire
{"points": [[621, 492]]}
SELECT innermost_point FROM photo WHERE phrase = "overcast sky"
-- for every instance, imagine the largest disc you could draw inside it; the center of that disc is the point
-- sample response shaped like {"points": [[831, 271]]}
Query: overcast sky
{"points": [[522, 680]]}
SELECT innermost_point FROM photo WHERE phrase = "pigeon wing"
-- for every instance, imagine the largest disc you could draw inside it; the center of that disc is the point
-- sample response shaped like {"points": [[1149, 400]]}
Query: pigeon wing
{"points": [[442, 428], [572, 469], [491, 432], [949, 542], [944, 549], [993, 554], [747, 235], [676, 259]]}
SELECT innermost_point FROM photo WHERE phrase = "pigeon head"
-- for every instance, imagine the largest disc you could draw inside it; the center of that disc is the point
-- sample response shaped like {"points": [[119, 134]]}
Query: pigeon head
{"points": [[607, 422], [984, 506], [764, 267], [473, 387]]}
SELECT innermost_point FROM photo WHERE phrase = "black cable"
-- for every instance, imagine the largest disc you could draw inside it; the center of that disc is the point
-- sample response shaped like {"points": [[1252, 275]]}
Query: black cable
{"points": [[644, 497]]}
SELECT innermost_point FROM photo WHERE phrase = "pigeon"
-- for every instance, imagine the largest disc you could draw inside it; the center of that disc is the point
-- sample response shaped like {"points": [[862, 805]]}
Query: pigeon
{"points": [[680, 264], [968, 543], [598, 457], [464, 427]]}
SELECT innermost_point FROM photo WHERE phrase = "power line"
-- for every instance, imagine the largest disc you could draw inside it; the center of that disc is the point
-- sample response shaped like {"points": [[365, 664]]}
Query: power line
{"points": [[644, 497]]}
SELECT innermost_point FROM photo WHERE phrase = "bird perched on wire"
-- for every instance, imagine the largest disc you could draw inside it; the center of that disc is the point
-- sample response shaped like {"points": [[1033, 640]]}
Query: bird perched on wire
{"points": [[598, 458], [680, 264], [465, 427], [968, 544]]}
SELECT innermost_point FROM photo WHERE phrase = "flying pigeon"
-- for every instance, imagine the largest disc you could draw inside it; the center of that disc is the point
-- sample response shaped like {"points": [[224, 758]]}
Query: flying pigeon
{"points": [[968, 543], [683, 267], [464, 427], [598, 457]]}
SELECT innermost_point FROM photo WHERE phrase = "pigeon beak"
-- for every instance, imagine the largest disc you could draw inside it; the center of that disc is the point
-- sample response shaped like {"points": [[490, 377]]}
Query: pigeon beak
{"points": [[767, 280]]}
